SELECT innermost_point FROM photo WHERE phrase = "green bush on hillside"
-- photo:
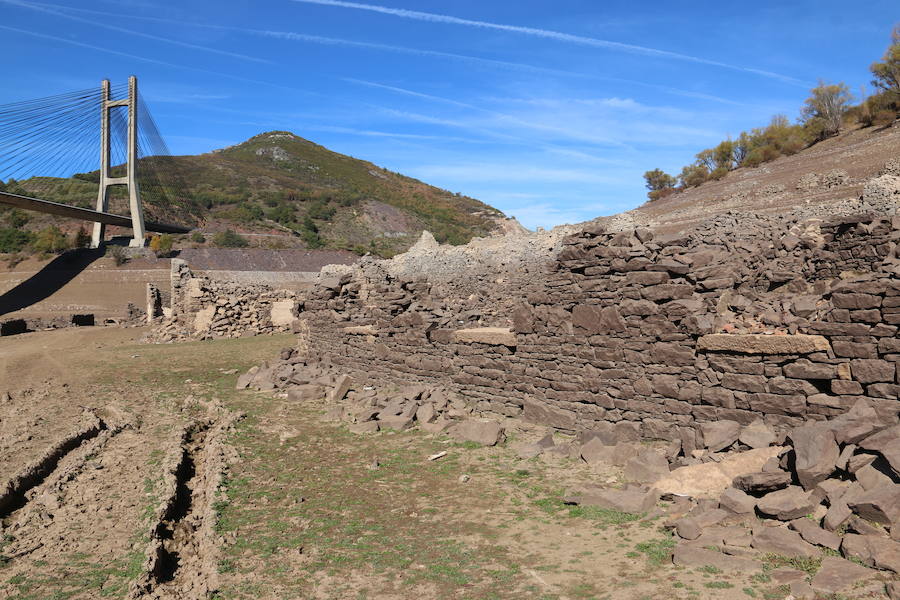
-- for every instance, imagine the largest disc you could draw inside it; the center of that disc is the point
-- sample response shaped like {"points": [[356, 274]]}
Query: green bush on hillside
{"points": [[229, 239], [14, 240]]}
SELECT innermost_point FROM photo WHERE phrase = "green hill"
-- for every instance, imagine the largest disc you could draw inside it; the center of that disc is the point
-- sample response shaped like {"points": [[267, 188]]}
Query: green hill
{"points": [[280, 183]]}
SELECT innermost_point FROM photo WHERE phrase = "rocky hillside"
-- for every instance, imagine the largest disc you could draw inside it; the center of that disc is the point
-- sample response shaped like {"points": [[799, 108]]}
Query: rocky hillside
{"points": [[284, 190], [843, 175]]}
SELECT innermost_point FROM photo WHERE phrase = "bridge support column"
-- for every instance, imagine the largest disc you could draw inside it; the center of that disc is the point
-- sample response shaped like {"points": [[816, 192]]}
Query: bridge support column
{"points": [[130, 178]]}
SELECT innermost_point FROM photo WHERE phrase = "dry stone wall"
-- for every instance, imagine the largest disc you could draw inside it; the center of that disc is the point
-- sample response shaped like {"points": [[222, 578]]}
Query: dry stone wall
{"points": [[643, 336], [204, 308]]}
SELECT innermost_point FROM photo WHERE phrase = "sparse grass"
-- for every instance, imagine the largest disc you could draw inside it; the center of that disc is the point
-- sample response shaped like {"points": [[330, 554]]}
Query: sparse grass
{"points": [[657, 551], [718, 585], [809, 565]]}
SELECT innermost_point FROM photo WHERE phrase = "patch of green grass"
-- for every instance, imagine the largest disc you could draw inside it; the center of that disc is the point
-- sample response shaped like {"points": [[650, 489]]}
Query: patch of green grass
{"points": [[710, 569], [657, 551], [749, 591], [718, 585]]}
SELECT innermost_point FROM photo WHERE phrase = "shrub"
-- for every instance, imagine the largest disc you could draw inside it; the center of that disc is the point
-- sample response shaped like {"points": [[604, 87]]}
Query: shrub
{"points": [[718, 173], [659, 194], [81, 239], [161, 244], [230, 239], [50, 240], [197, 237], [16, 218], [14, 240], [118, 254], [693, 175], [321, 210]]}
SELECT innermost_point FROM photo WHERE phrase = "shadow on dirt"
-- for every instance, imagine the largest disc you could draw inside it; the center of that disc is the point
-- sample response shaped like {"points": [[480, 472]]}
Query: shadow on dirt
{"points": [[43, 284]]}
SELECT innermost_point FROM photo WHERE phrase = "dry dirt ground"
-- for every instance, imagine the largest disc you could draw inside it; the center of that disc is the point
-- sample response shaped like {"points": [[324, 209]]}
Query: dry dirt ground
{"points": [[136, 471]]}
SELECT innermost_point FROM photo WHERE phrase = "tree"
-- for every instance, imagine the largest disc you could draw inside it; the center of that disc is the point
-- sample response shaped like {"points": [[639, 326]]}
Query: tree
{"points": [[707, 158], [659, 183], [657, 179], [823, 111], [723, 155], [887, 73], [14, 240]]}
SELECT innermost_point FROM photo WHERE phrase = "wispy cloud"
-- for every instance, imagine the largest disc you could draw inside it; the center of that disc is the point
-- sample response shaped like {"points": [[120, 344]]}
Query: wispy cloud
{"points": [[146, 59], [603, 121], [331, 41], [549, 34], [317, 39], [63, 15]]}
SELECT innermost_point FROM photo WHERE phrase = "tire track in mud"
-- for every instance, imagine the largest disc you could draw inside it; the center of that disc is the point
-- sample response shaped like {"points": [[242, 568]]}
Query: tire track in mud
{"points": [[181, 558], [14, 495]]}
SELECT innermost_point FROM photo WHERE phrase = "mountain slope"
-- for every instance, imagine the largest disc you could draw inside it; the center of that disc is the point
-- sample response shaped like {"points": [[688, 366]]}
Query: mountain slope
{"points": [[280, 183]]}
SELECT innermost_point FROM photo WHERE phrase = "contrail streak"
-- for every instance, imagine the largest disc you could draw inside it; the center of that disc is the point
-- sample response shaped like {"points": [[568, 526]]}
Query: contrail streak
{"points": [[329, 41], [548, 34], [50, 11]]}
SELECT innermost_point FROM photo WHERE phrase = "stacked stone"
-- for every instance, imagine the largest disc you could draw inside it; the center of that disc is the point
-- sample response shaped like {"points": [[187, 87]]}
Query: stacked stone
{"points": [[205, 309], [615, 330]]}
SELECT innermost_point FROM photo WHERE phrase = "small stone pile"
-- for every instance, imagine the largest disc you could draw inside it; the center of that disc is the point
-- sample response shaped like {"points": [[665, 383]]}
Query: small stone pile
{"points": [[367, 409]]}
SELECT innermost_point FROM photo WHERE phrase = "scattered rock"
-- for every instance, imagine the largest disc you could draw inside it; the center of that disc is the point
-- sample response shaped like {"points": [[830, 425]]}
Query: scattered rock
{"points": [[630, 500], [816, 454], [757, 435], [786, 504], [486, 433], [781, 540], [737, 501], [647, 467], [761, 482], [836, 575], [814, 534], [720, 434], [709, 480]]}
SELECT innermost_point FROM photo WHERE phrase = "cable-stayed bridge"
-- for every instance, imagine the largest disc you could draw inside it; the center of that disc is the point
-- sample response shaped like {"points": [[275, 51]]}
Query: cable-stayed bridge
{"points": [[64, 154]]}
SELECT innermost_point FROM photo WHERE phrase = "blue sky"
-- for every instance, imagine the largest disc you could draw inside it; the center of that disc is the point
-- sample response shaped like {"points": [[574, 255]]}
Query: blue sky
{"points": [[548, 110]]}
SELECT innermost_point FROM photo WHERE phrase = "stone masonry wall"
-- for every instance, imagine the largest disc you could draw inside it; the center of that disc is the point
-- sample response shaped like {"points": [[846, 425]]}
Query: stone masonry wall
{"points": [[646, 336]]}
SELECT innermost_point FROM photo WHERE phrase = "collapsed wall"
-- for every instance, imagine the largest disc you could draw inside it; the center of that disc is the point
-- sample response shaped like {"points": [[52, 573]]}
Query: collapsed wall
{"points": [[202, 307], [646, 335]]}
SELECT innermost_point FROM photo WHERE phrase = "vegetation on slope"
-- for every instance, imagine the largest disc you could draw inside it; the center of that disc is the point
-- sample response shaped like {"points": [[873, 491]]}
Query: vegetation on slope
{"points": [[277, 180], [824, 113]]}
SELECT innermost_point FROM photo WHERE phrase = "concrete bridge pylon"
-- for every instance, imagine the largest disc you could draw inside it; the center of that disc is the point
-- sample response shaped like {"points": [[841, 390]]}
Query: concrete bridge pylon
{"points": [[130, 178]]}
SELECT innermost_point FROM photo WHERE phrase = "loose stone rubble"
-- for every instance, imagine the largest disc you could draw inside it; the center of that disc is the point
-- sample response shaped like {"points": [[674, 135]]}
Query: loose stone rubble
{"points": [[368, 410]]}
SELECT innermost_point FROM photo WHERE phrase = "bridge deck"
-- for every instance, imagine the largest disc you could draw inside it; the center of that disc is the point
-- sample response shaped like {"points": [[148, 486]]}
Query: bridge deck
{"points": [[85, 214]]}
